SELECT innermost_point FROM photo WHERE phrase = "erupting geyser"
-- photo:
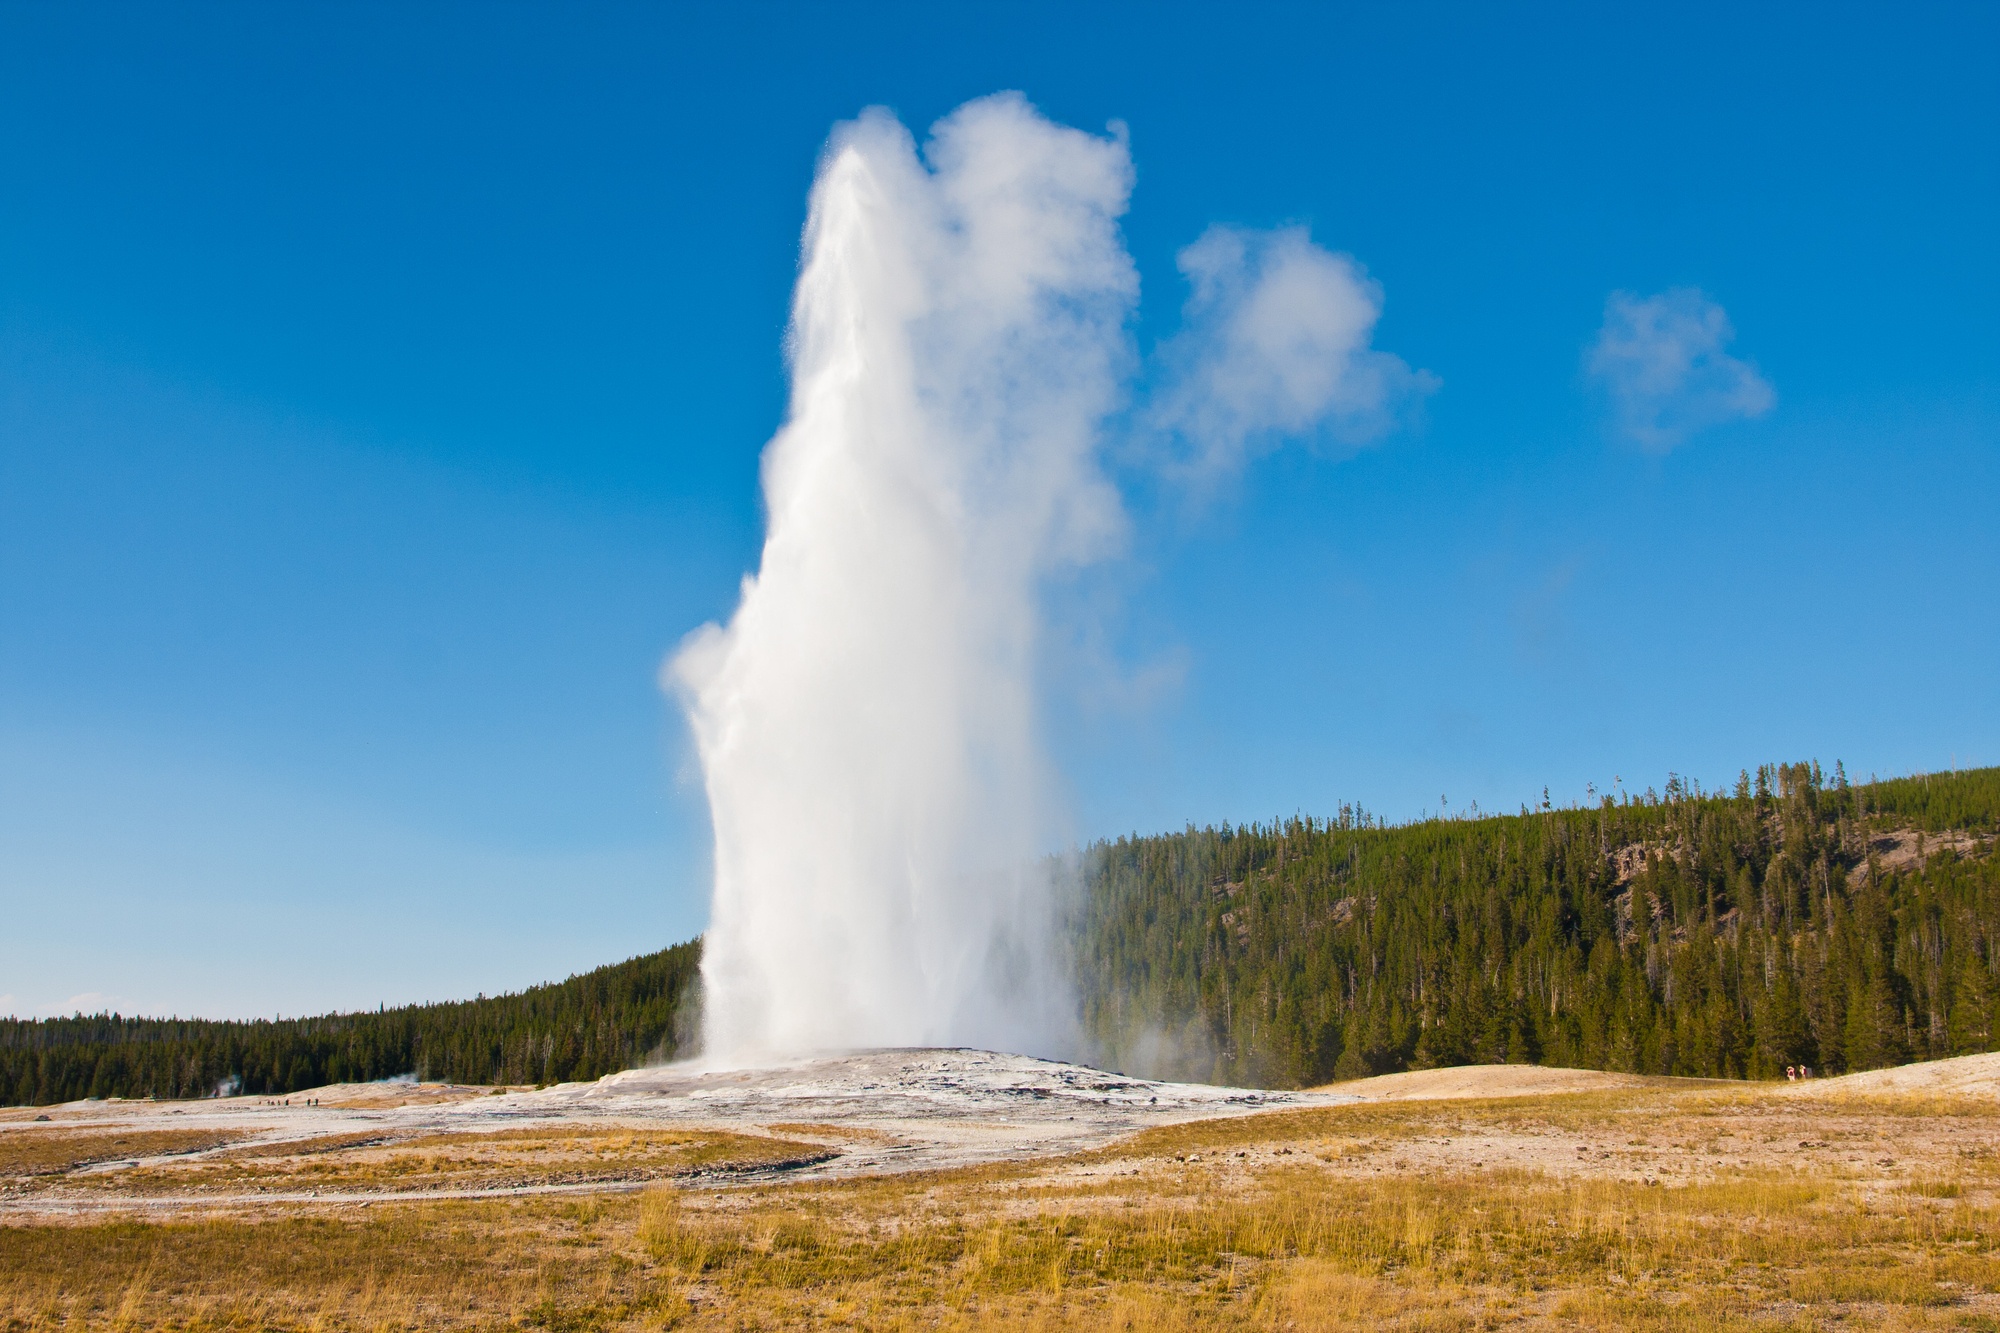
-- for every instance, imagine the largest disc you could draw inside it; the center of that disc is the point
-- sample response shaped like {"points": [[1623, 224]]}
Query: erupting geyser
{"points": [[866, 721]]}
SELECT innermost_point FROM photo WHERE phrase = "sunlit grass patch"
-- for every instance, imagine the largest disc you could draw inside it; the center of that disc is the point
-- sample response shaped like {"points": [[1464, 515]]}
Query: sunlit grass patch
{"points": [[841, 1133], [1914, 1105], [1931, 1187], [454, 1265], [42, 1152], [528, 1156], [437, 1161]]}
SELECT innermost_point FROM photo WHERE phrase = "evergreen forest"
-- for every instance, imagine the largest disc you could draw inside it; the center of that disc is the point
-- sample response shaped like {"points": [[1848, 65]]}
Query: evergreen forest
{"points": [[603, 1021], [1797, 919]]}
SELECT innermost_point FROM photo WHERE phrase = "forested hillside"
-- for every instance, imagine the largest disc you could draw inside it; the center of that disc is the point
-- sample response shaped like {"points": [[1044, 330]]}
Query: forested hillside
{"points": [[1799, 920], [590, 1025]]}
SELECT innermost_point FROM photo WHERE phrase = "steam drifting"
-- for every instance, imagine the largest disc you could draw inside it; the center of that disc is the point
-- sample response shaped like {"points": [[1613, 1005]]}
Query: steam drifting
{"points": [[1277, 344], [867, 720]]}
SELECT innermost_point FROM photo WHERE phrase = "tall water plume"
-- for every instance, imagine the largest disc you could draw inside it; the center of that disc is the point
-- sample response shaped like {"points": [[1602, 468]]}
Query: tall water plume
{"points": [[867, 720]]}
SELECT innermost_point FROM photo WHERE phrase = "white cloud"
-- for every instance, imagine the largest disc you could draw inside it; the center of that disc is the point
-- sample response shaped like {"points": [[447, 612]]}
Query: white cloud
{"points": [[1276, 343], [88, 1002], [1661, 359]]}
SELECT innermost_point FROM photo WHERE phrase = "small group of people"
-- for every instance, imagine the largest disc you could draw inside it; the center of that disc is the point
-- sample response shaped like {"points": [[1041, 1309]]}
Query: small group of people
{"points": [[1793, 1073]]}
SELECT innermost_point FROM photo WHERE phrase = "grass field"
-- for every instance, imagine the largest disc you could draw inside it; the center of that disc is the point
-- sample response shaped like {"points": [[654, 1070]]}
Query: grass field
{"points": [[182, 1163], [1676, 1209]]}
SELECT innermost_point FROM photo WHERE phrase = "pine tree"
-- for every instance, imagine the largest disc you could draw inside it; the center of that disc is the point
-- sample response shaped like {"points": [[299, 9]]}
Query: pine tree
{"points": [[1970, 1025]]}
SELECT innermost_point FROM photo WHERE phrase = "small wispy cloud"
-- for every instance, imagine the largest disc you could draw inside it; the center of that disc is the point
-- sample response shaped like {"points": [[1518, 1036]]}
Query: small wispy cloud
{"points": [[1277, 343], [1662, 360], [83, 1002]]}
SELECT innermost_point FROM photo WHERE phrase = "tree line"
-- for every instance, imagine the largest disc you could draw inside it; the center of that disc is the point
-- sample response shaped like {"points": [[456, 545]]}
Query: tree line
{"points": [[1798, 919], [593, 1024]]}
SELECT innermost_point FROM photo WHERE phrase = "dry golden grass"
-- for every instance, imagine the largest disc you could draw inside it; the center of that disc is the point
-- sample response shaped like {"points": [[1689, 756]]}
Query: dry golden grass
{"points": [[1294, 1220], [506, 1159], [43, 1152], [839, 1133], [319, 1143]]}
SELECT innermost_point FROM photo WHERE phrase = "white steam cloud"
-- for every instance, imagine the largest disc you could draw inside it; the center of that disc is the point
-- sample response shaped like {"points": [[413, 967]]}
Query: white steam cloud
{"points": [[1662, 360], [867, 722], [1276, 345]]}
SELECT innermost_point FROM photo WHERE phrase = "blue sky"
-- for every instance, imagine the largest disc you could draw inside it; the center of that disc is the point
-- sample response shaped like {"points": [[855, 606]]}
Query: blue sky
{"points": [[381, 395]]}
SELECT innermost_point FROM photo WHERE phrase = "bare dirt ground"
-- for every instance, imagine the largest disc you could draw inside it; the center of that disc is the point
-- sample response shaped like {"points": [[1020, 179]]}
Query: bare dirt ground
{"points": [[964, 1189], [1888, 1129], [1501, 1081]]}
